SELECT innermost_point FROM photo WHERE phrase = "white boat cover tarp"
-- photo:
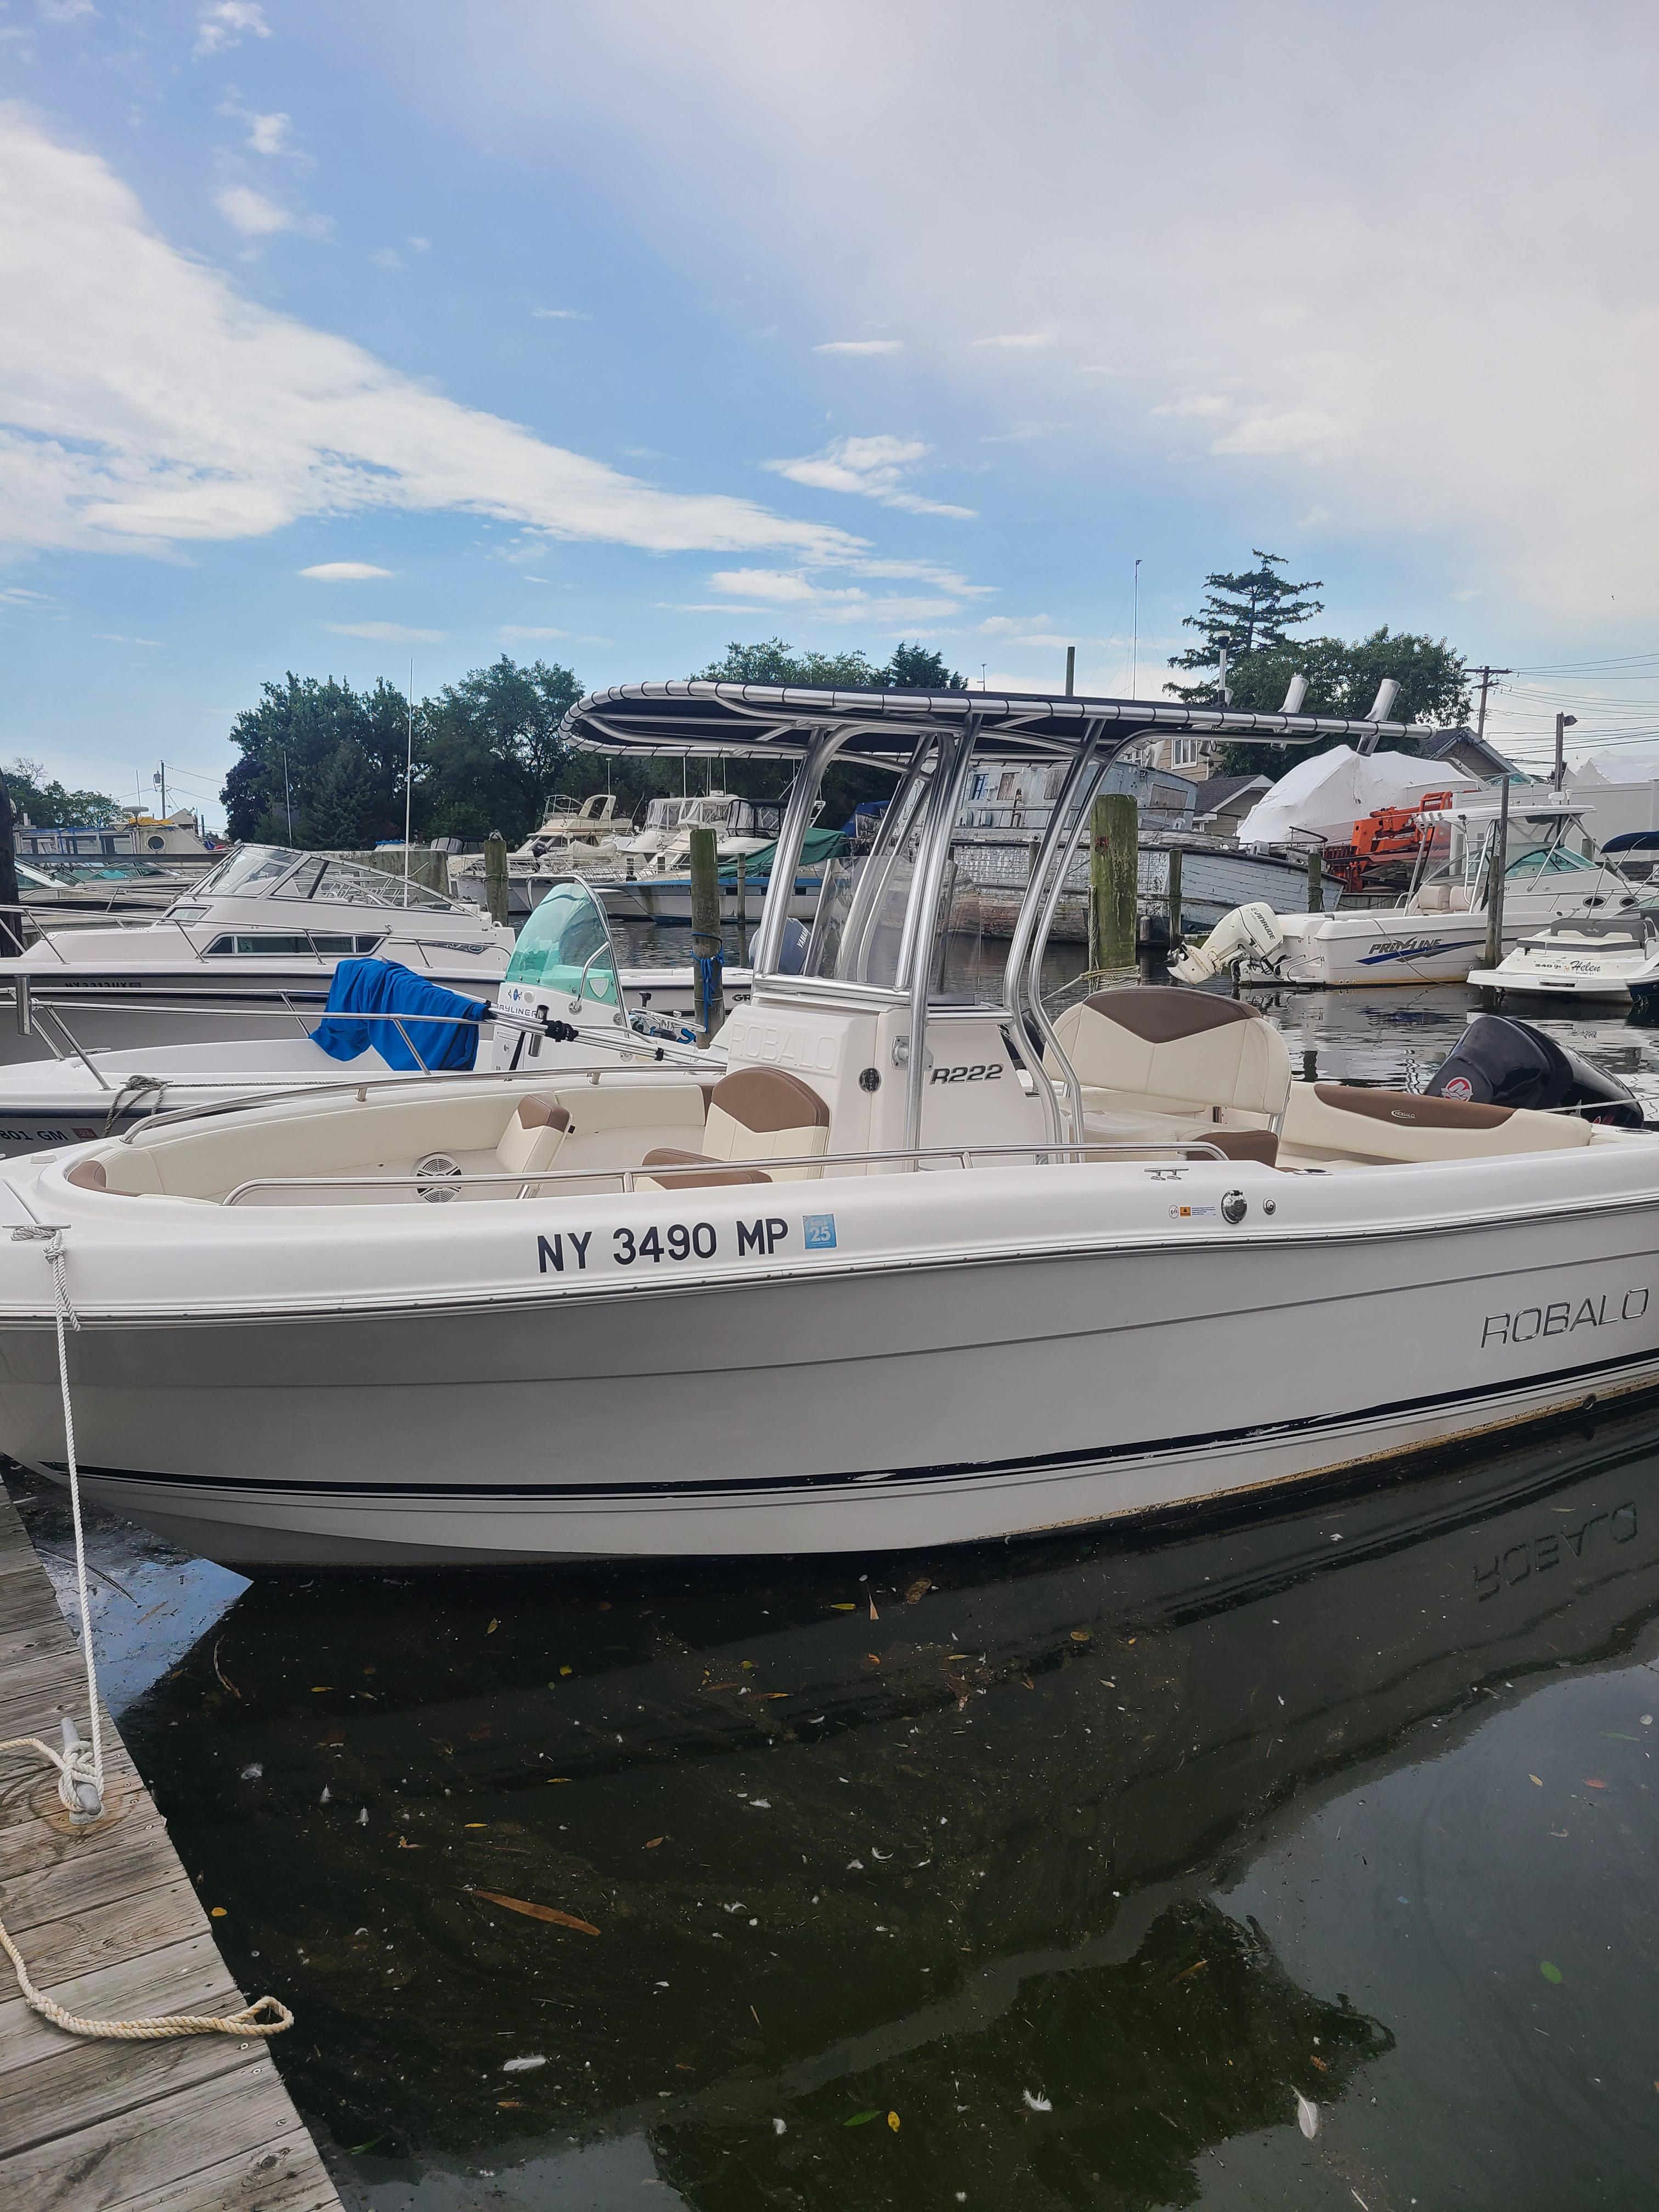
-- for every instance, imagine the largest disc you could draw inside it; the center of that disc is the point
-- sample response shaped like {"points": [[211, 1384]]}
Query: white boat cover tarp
{"points": [[1322, 798]]}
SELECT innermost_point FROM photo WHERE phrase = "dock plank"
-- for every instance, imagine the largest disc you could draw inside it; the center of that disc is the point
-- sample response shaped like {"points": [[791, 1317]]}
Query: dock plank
{"points": [[111, 1926]]}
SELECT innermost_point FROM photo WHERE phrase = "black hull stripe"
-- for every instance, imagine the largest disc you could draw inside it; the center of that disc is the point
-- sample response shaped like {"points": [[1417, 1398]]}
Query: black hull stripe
{"points": [[1038, 1465]]}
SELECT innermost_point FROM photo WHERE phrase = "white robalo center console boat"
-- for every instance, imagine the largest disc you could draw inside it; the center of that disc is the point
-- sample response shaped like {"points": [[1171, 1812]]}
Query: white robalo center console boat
{"points": [[922, 1265]]}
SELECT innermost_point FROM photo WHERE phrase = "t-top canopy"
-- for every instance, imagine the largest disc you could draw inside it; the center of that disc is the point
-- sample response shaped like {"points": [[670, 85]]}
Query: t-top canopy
{"points": [[779, 721]]}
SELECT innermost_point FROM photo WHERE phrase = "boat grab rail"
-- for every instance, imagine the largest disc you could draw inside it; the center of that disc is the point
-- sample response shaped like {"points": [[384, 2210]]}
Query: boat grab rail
{"points": [[963, 1155]]}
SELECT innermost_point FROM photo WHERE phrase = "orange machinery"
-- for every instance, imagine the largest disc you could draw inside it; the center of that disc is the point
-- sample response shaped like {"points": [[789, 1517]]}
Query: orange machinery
{"points": [[1386, 834]]}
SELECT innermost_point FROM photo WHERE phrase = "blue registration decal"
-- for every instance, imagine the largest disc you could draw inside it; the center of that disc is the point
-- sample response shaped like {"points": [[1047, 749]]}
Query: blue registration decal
{"points": [[819, 1232]]}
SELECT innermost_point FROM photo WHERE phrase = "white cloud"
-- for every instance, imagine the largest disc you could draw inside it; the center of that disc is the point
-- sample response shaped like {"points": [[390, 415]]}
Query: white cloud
{"points": [[255, 216], [344, 571], [269, 134], [222, 24], [874, 468], [768, 584], [1010, 625], [144, 402], [1020, 341], [861, 345], [114, 637], [520, 629], [1200, 404], [387, 633], [387, 256], [1020, 433], [560, 315], [1297, 430], [64, 11], [1500, 433]]}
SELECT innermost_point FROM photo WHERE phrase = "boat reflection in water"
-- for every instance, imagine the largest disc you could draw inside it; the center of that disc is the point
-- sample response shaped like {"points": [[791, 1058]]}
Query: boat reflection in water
{"points": [[1002, 1842]]}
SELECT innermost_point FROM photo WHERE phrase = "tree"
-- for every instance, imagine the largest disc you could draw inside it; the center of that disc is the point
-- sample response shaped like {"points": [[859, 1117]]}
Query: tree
{"points": [[1343, 680], [48, 805], [490, 752], [1250, 612], [913, 668], [291, 768]]}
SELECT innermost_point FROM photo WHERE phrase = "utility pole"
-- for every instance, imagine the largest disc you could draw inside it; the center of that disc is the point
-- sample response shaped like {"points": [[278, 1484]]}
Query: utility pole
{"points": [[1486, 675], [160, 777], [1563, 723]]}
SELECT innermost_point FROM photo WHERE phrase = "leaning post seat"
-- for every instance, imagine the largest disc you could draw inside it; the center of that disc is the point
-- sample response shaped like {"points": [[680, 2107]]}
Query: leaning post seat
{"points": [[755, 1115], [1152, 1047], [1337, 1121]]}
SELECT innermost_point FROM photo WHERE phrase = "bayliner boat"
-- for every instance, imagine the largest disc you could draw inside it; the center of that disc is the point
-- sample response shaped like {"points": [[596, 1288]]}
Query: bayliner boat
{"points": [[258, 940], [78, 1095], [1438, 932], [1611, 959], [902, 1275]]}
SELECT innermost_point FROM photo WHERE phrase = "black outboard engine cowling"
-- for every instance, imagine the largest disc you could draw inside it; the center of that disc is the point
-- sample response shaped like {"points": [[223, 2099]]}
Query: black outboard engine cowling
{"points": [[1499, 1061]]}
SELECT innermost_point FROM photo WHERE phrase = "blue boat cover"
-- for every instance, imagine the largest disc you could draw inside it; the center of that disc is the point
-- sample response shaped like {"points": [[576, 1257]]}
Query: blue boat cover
{"points": [[445, 1036]]}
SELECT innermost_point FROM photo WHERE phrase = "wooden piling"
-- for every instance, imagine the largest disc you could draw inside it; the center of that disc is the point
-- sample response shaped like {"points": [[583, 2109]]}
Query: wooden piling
{"points": [[495, 889], [1315, 881], [110, 1927], [1175, 894], [1495, 880], [1114, 869], [705, 932], [742, 908]]}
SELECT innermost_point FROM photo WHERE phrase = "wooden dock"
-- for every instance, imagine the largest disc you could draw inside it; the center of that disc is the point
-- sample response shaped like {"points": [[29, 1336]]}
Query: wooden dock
{"points": [[110, 1926]]}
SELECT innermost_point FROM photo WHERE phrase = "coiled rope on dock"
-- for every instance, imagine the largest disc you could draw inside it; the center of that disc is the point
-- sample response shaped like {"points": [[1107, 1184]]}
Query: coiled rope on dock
{"points": [[80, 1765]]}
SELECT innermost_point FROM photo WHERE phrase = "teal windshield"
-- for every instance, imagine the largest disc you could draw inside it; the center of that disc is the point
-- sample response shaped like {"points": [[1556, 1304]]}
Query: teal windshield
{"points": [[565, 946]]}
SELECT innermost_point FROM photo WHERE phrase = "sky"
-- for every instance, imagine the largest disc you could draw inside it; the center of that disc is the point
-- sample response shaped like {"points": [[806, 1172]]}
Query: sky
{"points": [[337, 339]]}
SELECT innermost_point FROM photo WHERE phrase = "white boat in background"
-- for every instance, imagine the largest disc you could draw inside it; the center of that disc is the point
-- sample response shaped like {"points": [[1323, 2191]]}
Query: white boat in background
{"points": [[78, 1094], [1438, 932], [900, 1277], [1611, 960], [659, 851], [253, 945]]}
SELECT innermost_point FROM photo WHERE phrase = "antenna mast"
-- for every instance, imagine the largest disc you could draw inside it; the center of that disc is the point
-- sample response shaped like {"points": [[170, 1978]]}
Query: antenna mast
{"points": [[409, 771]]}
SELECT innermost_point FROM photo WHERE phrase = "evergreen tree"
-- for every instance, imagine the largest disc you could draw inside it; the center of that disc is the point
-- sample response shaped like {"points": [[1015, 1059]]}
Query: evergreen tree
{"points": [[1250, 612], [913, 668], [1343, 680]]}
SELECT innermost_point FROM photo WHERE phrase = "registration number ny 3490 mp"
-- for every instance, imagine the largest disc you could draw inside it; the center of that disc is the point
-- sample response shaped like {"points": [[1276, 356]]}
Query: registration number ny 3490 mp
{"points": [[570, 1251]]}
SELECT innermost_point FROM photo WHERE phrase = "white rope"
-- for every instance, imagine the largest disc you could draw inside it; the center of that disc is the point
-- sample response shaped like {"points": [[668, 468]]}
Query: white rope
{"points": [[81, 1765]]}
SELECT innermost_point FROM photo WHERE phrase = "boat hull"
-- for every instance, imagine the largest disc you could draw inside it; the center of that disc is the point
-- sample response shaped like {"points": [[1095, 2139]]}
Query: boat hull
{"points": [[851, 1406]]}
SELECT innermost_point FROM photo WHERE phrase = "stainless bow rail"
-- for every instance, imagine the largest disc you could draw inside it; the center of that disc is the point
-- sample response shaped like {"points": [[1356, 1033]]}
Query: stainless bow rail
{"points": [[963, 1155]]}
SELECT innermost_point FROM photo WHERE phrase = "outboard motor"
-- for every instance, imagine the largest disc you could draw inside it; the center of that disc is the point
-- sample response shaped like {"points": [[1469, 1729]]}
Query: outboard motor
{"points": [[1499, 1061]]}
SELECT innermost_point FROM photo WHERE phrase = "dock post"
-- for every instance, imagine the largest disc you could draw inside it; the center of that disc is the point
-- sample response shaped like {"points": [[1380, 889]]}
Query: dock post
{"points": [[743, 908], [1315, 881], [496, 891], [706, 932], [1175, 894], [1500, 853], [1114, 868]]}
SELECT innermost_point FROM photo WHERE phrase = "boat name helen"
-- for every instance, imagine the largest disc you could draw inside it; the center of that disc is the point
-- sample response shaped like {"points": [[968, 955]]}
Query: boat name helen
{"points": [[1561, 1318]]}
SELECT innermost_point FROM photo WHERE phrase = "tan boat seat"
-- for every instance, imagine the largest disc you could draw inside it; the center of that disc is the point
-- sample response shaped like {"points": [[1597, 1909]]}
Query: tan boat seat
{"points": [[1157, 1047], [533, 1136], [755, 1114], [1333, 1120]]}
